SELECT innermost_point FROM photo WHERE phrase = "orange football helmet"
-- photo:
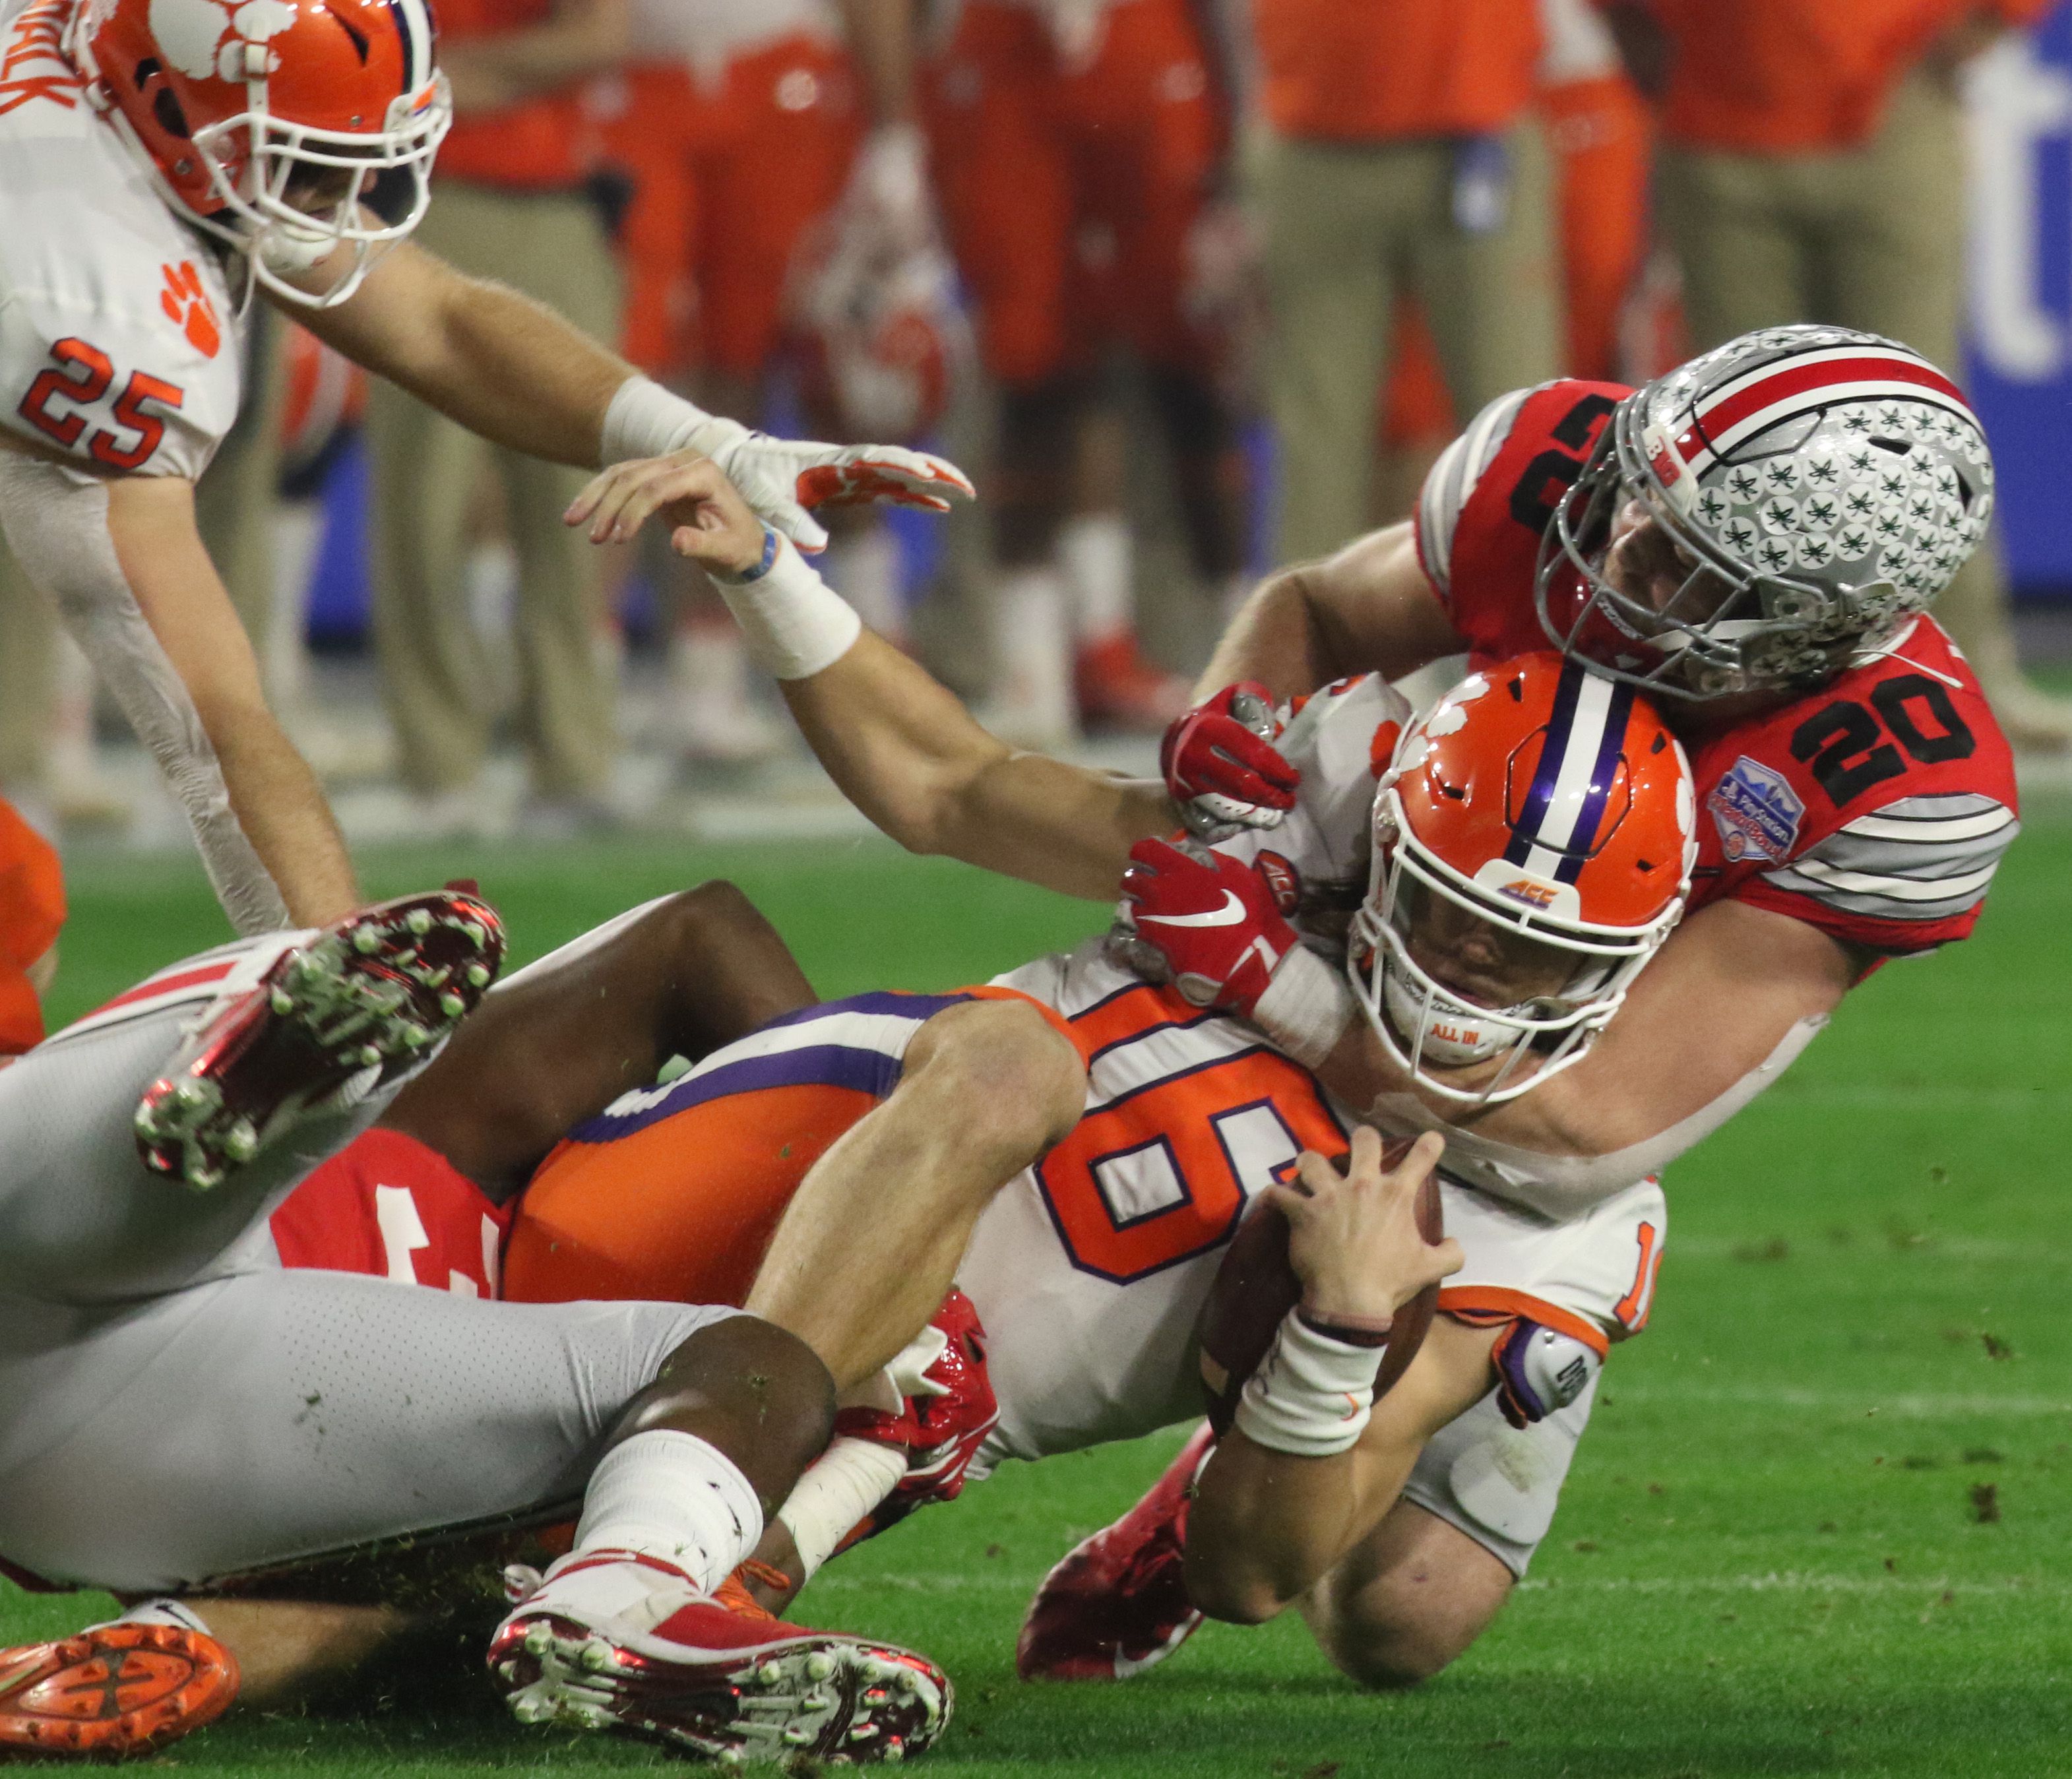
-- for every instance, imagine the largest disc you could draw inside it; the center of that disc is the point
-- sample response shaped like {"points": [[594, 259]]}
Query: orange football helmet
{"points": [[266, 123], [1533, 840]]}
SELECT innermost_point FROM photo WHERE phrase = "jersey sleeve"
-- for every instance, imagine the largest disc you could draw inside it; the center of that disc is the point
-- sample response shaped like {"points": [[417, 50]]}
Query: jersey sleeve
{"points": [[114, 392], [1489, 499], [1909, 876]]}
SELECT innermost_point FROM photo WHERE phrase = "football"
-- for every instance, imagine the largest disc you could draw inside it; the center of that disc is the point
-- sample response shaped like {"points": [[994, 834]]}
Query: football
{"points": [[1256, 1287]]}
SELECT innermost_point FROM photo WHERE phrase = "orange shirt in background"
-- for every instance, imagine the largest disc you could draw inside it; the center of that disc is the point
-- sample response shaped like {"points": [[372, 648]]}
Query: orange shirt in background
{"points": [[1798, 76], [1357, 71], [544, 143], [32, 909]]}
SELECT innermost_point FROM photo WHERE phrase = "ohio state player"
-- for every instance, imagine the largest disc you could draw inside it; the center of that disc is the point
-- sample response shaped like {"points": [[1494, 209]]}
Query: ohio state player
{"points": [[1754, 537], [160, 160]]}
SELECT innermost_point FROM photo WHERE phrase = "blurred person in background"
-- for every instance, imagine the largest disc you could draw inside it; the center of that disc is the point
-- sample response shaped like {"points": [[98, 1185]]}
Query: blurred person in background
{"points": [[1397, 152], [1813, 169], [1598, 128], [32, 909], [1076, 148], [513, 201]]}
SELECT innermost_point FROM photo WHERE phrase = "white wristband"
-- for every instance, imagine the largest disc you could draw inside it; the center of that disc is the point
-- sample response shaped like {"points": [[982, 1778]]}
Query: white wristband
{"points": [[794, 623], [1311, 1396], [1305, 1007], [646, 420]]}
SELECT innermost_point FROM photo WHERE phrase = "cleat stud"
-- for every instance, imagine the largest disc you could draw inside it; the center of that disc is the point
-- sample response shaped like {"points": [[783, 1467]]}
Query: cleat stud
{"points": [[507, 1670], [769, 1673], [419, 921], [413, 1037], [797, 1737], [540, 1638], [476, 933], [283, 1002], [477, 975], [894, 1749], [451, 1004], [596, 1657], [819, 1664], [370, 1053], [367, 942], [863, 1733], [240, 1142]]}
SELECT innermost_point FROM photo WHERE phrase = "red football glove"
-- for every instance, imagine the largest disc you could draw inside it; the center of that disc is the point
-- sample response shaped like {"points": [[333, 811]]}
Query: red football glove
{"points": [[1221, 766], [1208, 925]]}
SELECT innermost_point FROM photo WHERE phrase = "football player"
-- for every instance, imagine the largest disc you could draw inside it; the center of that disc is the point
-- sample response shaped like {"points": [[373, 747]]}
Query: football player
{"points": [[162, 162], [1856, 797], [1754, 538], [177, 1406]]}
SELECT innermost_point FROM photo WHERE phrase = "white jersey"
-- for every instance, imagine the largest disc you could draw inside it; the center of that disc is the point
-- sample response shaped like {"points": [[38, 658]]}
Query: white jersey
{"points": [[1089, 1269], [120, 345], [1341, 739]]}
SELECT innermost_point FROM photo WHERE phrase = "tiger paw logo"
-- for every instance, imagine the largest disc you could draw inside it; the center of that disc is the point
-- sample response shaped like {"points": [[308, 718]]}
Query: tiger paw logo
{"points": [[207, 40], [187, 304]]}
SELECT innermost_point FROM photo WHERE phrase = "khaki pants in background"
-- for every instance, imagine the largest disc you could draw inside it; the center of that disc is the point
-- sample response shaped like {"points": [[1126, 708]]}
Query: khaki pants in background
{"points": [[424, 468], [28, 629], [1872, 238], [1349, 227]]}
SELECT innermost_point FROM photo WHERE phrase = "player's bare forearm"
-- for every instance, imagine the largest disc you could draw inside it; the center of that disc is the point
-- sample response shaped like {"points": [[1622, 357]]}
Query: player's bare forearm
{"points": [[274, 795], [905, 751], [1266, 1527], [1754, 973], [500, 363], [1368, 609]]}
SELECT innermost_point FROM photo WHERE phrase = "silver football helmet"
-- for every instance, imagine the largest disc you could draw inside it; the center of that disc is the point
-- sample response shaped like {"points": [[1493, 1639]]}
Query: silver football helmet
{"points": [[1819, 487]]}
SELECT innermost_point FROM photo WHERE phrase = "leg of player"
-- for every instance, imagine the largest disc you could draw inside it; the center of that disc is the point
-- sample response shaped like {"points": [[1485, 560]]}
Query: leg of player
{"points": [[1413, 1595], [562, 1038], [869, 1244]]}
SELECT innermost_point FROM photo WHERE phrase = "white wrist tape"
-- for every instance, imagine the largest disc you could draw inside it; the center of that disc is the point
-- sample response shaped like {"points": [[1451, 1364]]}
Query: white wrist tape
{"points": [[1312, 1395], [646, 420], [794, 623], [1305, 1008]]}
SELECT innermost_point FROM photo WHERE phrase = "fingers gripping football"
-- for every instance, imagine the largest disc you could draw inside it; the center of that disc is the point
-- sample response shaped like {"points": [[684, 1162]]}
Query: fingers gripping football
{"points": [[1354, 1240], [1207, 924], [1221, 766]]}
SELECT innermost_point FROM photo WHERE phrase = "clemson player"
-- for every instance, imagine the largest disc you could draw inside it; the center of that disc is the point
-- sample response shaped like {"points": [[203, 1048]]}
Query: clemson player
{"points": [[161, 161]]}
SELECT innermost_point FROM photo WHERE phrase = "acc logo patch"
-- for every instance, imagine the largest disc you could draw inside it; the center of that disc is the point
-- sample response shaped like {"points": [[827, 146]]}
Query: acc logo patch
{"points": [[1282, 880], [1757, 813]]}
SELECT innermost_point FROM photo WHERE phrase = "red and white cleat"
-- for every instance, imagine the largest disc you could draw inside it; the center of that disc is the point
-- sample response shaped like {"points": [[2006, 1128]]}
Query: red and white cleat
{"points": [[614, 1640], [1117, 688], [943, 1420], [350, 1007], [114, 1691], [1118, 1603]]}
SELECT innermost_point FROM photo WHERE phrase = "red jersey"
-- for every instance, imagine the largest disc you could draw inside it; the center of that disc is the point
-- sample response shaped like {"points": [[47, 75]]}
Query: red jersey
{"points": [[1875, 808], [387, 1206]]}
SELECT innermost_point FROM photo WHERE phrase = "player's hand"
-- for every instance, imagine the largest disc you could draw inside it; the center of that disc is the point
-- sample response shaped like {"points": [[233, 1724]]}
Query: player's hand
{"points": [[1207, 924], [1353, 1241], [781, 478], [1221, 766], [708, 520]]}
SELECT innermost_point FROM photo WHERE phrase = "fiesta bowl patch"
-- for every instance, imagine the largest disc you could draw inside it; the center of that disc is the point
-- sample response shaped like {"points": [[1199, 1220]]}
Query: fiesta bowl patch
{"points": [[1756, 812]]}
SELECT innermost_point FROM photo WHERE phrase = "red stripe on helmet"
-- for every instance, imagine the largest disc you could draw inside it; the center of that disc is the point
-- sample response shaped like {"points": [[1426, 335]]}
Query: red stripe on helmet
{"points": [[1783, 386]]}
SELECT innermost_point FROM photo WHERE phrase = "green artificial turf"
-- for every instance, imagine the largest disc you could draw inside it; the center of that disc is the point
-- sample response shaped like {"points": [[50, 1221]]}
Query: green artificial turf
{"points": [[1821, 1523]]}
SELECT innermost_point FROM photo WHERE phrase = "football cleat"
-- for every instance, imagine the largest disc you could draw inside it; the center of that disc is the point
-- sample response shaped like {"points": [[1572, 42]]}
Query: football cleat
{"points": [[614, 1640], [116, 1690], [1117, 688], [1118, 1603], [943, 1417], [332, 1016]]}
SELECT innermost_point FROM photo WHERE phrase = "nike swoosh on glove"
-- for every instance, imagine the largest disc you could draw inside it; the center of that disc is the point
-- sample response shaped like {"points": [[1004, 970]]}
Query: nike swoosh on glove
{"points": [[781, 478], [1221, 766], [1206, 924]]}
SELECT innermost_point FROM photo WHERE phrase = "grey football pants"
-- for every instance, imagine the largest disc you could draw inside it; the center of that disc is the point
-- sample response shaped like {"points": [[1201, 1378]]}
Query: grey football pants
{"points": [[174, 1407]]}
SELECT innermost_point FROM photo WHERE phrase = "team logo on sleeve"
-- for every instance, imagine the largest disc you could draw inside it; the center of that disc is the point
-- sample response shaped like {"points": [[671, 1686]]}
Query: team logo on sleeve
{"points": [[1757, 813]]}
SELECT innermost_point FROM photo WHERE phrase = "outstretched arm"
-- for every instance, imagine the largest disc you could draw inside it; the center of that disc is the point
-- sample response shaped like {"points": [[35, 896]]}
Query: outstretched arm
{"points": [[901, 746]]}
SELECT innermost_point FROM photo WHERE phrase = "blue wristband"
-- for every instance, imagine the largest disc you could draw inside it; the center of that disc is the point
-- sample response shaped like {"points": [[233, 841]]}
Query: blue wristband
{"points": [[768, 562]]}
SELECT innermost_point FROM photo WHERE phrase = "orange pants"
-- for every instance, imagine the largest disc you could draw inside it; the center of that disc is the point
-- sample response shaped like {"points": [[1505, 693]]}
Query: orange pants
{"points": [[1069, 190], [674, 1192], [725, 183]]}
